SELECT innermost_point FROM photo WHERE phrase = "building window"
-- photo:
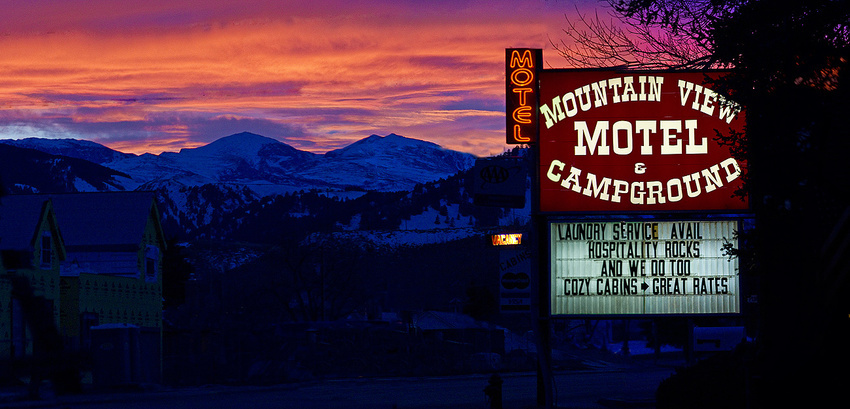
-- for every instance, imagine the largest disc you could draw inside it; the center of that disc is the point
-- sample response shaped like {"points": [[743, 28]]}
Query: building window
{"points": [[151, 263], [46, 250]]}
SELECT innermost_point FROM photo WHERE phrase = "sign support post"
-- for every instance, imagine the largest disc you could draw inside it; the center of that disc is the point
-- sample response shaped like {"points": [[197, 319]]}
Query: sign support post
{"points": [[522, 79], [541, 314]]}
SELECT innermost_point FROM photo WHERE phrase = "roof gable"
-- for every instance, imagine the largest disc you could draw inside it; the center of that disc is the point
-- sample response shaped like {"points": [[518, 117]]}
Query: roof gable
{"points": [[23, 218], [20, 219], [106, 220]]}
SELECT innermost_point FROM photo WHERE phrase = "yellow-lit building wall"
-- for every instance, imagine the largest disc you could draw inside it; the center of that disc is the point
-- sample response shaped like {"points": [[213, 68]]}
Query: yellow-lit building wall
{"points": [[44, 281]]}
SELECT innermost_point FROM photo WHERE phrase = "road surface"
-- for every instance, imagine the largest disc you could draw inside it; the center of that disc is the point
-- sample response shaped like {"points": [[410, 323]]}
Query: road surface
{"points": [[575, 389]]}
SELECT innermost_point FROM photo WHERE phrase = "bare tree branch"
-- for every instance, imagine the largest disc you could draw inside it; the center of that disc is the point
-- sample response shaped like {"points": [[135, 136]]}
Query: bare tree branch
{"points": [[654, 34]]}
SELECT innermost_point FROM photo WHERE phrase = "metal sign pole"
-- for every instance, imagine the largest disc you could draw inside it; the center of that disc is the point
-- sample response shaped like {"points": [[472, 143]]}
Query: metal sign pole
{"points": [[522, 102], [540, 269]]}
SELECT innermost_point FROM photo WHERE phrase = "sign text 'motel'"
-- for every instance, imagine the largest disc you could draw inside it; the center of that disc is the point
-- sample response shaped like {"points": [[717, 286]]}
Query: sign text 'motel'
{"points": [[636, 142], [521, 79]]}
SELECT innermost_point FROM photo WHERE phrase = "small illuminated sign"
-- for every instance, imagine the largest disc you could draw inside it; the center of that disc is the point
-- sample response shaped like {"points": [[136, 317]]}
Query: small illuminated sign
{"points": [[643, 268], [522, 66], [510, 239]]}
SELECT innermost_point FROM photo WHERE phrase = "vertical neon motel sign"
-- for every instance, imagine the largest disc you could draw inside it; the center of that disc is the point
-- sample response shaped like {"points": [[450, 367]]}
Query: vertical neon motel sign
{"points": [[522, 66]]}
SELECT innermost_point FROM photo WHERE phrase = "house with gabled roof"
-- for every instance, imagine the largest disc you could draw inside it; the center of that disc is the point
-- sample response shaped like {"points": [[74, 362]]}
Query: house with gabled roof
{"points": [[115, 244], [112, 272], [31, 252]]}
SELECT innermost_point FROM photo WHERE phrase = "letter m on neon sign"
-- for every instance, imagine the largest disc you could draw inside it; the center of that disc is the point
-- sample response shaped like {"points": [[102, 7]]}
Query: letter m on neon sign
{"points": [[524, 61]]}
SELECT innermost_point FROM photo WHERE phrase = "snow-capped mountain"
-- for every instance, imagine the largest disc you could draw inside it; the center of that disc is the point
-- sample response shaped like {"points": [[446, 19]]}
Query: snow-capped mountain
{"points": [[268, 166], [389, 163], [200, 188], [243, 158]]}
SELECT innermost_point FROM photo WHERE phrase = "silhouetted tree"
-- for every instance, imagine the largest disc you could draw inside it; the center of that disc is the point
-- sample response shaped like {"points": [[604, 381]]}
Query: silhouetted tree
{"points": [[789, 71], [49, 361], [646, 34], [176, 270], [787, 65], [481, 303], [323, 280]]}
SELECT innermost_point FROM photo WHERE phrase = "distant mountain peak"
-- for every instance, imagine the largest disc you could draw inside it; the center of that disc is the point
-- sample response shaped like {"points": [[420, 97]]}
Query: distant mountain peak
{"points": [[74, 148], [240, 144], [246, 136], [376, 144], [269, 166], [389, 136]]}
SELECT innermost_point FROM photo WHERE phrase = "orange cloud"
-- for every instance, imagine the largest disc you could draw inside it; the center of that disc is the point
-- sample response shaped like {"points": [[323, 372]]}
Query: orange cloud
{"points": [[327, 74]]}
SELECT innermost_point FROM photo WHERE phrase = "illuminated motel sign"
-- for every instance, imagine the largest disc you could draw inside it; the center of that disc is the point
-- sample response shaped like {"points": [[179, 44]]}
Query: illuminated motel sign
{"points": [[639, 144], [636, 142], [643, 268], [521, 78]]}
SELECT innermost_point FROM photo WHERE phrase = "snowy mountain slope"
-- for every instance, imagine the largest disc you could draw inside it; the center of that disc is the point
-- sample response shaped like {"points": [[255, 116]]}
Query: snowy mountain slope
{"points": [[24, 170], [243, 156], [72, 148], [217, 190], [268, 166], [390, 163]]}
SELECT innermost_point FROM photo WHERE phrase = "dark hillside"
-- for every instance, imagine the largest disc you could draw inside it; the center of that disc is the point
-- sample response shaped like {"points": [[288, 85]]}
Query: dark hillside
{"points": [[30, 171]]}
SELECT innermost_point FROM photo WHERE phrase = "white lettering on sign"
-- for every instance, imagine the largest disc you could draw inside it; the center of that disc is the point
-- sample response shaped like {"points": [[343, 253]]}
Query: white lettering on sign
{"points": [[673, 136], [595, 95], [613, 141], [644, 193], [623, 90], [623, 134], [643, 267]]}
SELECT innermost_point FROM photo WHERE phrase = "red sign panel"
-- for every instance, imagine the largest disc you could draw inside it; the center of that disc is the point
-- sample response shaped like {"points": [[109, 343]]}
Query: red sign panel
{"points": [[522, 68], [618, 141]]}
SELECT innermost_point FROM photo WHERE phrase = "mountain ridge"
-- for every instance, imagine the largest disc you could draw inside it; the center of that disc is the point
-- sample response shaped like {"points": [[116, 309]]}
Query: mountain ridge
{"points": [[27, 170], [385, 163], [202, 190]]}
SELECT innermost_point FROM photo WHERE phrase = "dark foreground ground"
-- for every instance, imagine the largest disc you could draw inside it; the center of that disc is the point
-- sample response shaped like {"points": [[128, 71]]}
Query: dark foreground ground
{"points": [[614, 382]]}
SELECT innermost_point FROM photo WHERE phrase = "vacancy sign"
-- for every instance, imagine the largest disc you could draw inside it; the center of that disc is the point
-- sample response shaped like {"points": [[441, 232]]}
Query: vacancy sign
{"points": [[644, 268]]}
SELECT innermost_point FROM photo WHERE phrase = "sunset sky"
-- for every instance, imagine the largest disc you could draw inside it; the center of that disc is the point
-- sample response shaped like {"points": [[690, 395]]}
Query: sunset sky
{"points": [[160, 75]]}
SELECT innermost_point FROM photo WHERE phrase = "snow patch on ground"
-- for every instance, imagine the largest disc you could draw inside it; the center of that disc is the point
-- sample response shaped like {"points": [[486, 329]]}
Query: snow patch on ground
{"points": [[353, 224], [83, 186], [431, 219], [393, 239]]}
